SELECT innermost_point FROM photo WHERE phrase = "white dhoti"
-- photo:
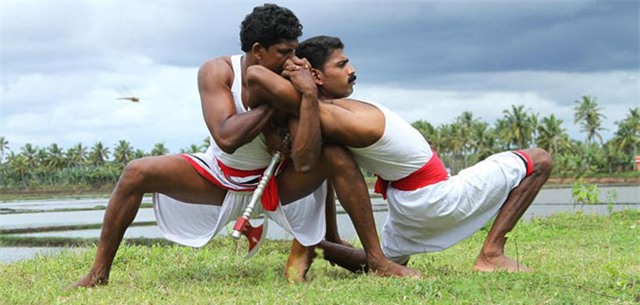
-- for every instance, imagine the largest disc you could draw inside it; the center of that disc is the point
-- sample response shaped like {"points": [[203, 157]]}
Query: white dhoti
{"points": [[438, 216], [195, 224]]}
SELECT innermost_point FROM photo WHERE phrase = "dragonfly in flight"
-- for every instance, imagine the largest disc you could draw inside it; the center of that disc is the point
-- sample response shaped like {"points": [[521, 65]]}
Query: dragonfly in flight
{"points": [[127, 95]]}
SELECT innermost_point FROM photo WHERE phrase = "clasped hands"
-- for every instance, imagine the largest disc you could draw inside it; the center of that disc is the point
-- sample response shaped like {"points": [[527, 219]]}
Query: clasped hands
{"points": [[299, 72]]}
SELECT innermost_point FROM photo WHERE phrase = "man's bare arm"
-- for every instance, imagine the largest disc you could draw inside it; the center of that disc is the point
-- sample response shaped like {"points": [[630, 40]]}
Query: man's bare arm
{"points": [[229, 129], [345, 121], [265, 85]]}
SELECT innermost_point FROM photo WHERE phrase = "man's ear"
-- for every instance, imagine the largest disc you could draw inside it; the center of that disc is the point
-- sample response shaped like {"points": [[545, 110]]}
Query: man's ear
{"points": [[257, 50], [318, 76]]}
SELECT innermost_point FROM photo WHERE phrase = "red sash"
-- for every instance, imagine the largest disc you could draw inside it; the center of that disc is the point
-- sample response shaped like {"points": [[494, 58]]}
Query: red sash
{"points": [[431, 173], [527, 159], [270, 197]]}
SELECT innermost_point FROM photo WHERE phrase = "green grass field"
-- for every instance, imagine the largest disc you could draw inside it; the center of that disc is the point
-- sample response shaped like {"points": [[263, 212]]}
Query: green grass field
{"points": [[579, 259]]}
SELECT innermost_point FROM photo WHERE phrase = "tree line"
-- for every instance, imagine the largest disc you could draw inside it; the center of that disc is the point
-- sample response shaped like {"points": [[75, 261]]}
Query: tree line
{"points": [[460, 144]]}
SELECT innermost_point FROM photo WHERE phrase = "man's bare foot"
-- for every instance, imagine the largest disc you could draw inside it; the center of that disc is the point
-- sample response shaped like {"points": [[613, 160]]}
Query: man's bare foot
{"points": [[388, 268], [299, 262], [498, 263], [89, 281]]}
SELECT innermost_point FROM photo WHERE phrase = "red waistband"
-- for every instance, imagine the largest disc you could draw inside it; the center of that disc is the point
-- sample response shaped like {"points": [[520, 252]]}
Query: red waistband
{"points": [[527, 159], [239, 172], [431, 173], [270, 198]]}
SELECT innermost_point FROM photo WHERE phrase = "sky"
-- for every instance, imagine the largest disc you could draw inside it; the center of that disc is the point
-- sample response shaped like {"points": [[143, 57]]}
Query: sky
{"points": [[65, 63]]}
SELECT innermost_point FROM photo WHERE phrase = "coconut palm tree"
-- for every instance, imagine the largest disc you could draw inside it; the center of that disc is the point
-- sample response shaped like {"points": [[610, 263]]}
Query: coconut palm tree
{"points": [[139, 153], [77, 155], [191, 149], [55, 159], [519, 127], [551, 135], [159, 149], [99, 154], [616, 159], [484, 141], [588, 115], [29, 152], [4, 146], [205, 144], [431, 134], [535, 122], [425, 128], [627, 137], [463, 123], [503, 135], [123, 153], [454, 145], [19, 165]]}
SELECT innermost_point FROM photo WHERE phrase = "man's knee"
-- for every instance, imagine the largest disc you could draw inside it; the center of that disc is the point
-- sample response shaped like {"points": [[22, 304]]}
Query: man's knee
{"points": [[542, 160], [135, 173], [337, 157]]}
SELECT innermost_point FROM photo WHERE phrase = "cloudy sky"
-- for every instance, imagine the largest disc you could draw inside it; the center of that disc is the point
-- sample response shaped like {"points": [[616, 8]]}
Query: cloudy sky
{"points": [[64, 63]]}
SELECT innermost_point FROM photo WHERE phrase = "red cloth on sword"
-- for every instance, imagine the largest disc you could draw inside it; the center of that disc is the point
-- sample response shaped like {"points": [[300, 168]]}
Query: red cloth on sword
{"points": [[270, 197], [431, 173]]}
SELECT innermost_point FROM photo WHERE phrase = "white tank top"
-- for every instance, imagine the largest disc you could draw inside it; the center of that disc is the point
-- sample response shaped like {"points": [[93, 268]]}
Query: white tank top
{"points": [[400, 151], [252, 155]]}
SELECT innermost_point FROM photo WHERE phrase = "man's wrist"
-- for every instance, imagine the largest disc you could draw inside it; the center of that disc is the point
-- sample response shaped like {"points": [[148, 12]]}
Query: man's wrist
{"points": [[310, 95]]}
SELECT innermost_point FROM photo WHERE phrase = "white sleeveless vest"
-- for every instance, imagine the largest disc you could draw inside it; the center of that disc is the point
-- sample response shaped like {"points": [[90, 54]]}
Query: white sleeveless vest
{"points": [[252, 155], [400, 151]]}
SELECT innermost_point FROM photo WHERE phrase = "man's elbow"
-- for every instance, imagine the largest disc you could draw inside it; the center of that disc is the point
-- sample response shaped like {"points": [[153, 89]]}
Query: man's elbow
{"points": [[254, 75], [305, 161], [227, 145]]}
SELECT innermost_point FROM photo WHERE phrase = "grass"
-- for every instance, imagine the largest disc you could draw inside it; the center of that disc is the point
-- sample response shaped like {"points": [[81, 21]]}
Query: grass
{"points": [[579, 259]]}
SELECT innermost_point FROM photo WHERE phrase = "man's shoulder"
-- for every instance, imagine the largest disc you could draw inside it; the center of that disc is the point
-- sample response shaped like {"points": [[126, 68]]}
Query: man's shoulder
{"points": [[350, 102], [217, 63], [218, 68]]}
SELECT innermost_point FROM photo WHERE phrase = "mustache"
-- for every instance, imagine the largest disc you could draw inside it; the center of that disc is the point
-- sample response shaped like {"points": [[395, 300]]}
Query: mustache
{"points": [[352, 78]]}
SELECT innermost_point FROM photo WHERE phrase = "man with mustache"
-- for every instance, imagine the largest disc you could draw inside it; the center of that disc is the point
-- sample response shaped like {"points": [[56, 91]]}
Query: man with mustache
{"points": [[428, 209], [196, 195]]}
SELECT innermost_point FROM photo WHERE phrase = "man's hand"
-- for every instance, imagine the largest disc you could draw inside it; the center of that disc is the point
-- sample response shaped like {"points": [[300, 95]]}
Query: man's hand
{"points": [[274, 135], [307, 143], [298, 71]]}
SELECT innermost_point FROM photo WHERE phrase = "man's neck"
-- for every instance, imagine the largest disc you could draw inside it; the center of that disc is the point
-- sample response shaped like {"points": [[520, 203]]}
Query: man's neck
{"points": [[324, 95], [247, 61]]}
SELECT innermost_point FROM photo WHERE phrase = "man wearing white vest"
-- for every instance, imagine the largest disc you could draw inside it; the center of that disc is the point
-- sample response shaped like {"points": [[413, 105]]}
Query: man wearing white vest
{"points": [[428, 209], [196, 195]]}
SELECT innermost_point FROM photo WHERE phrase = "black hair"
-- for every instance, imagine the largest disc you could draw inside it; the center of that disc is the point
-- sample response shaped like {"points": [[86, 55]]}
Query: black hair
{"points": [[318, 49], [269, 24]]}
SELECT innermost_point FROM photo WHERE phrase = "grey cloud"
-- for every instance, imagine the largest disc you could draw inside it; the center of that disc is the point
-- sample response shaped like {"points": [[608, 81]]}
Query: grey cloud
{"points": [[415, 37], [600, 37]]}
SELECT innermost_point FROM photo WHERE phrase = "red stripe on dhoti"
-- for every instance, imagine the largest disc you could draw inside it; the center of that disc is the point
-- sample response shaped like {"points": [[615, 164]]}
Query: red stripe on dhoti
{"points": [[270, 197]]}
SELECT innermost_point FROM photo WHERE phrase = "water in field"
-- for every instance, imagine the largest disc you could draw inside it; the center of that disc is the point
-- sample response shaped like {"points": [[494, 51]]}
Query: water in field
{"points": [[44, 218]]}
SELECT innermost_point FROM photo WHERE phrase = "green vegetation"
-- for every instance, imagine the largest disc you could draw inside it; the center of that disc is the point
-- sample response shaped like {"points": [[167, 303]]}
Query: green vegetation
{"points": [[460, 144], [579, 259]]}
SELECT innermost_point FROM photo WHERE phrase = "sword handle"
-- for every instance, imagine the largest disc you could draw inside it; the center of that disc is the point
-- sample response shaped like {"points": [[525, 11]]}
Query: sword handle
{"points": [[243, 220]]}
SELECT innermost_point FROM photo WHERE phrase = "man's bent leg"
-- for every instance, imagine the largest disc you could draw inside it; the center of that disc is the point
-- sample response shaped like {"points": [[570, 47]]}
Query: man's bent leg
{"points": [[337, 164], [491, 257], [171, 175], [353, 194], [352, 259], [332, 234], [298, 262]]}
